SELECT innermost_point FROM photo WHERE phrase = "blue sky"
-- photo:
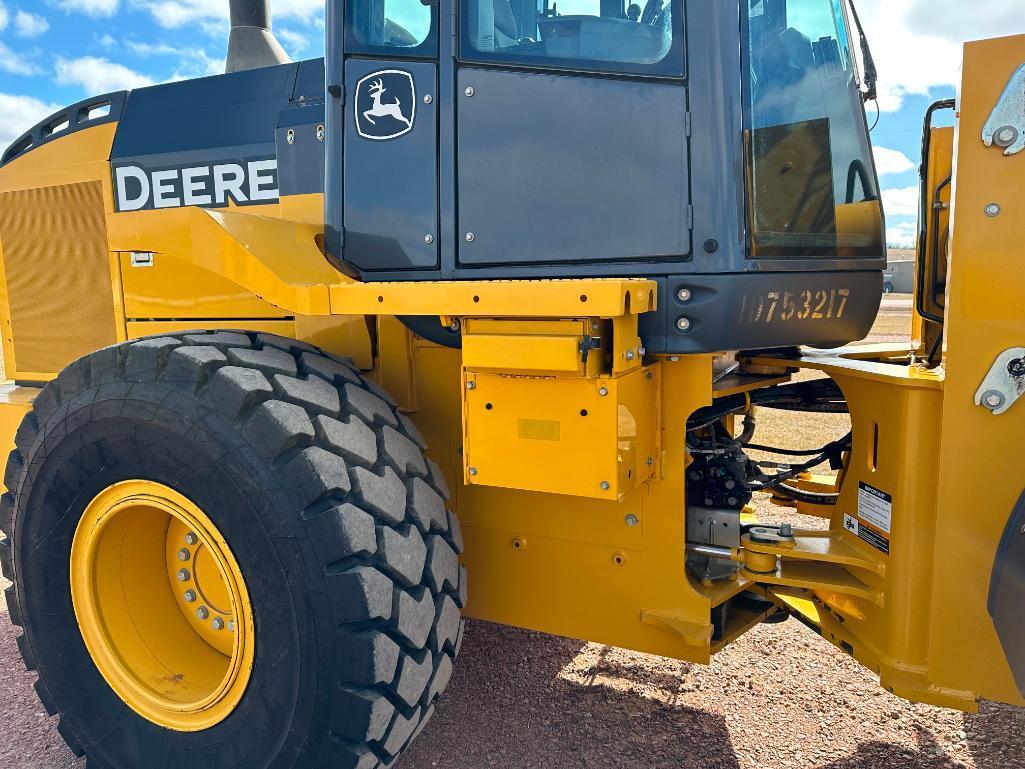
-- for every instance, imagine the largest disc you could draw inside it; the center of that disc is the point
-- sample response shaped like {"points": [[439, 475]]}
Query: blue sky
{"points": [[56, 52]]}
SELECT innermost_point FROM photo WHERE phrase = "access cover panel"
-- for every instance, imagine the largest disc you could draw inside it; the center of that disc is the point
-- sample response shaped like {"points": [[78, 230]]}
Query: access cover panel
{"points": [[559, 168]]}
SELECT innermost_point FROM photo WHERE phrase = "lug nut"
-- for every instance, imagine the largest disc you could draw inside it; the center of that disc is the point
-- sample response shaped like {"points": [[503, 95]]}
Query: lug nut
{"points": [[191, 539], [183, 575], [190, 596], [184, 555], [202, 612], [217, 624]]}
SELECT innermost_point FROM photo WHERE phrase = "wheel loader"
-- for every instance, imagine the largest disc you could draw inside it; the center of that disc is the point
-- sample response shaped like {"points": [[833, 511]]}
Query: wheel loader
{"points": [[308, 361]]}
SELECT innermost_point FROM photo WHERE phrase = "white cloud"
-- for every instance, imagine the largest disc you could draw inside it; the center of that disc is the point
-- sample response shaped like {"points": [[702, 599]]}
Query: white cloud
{"points": [[5, 17], [108, 41], [917, 43], [30, 24], [15, 63], [891, 161], [293, 42], [20, 113], [179, 13], [901, 201], [192, 62], [96, 75], [902, 234], [94, 8]]}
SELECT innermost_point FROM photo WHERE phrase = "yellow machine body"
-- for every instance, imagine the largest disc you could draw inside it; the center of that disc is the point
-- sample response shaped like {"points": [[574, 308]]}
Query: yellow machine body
{"points": [[569, 474]]}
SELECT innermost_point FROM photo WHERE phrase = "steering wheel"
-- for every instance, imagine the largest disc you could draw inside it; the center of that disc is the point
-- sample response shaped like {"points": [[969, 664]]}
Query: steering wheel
{"points": [[652, 10]]}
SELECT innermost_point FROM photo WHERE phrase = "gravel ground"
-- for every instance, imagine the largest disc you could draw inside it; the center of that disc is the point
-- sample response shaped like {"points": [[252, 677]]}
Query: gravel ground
{"points": [[780, 697]]}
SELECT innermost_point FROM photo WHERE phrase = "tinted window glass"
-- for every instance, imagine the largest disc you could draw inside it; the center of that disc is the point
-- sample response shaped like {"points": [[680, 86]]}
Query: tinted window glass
{"points": [[812, 182], [645, 36], [384, 25]]}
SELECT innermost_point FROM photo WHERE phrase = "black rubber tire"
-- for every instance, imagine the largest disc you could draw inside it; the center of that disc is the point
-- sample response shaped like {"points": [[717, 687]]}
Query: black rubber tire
{"points": [[324, 495]]}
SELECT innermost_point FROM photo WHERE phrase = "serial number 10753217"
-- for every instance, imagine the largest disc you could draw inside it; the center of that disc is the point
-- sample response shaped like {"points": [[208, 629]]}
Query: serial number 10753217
{"points": [[785, 306]]}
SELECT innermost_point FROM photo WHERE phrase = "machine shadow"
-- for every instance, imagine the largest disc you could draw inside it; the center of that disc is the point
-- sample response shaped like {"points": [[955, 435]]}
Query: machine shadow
{"points": [[508, 706], [996, 736], [884, 755]]}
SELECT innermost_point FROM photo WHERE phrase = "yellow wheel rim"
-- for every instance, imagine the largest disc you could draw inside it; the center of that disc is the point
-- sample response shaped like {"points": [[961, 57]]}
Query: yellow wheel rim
{"points": [[162, 606]]}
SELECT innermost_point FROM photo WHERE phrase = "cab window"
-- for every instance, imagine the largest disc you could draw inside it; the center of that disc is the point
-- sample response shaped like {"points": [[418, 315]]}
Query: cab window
{"points": [[382, 26], [813, 190], [642, 36]]}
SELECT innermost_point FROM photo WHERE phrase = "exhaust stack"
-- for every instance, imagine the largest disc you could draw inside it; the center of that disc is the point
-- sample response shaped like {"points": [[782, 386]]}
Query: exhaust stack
{"points": [[252, 44]]}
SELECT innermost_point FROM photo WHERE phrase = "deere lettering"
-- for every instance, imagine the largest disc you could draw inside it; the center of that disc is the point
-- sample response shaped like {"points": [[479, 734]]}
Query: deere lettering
{"points": [[218, 185]]}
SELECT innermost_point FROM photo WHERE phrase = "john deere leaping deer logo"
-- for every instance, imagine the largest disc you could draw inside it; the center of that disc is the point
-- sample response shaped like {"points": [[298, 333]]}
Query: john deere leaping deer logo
{"points": [[385, 104]]}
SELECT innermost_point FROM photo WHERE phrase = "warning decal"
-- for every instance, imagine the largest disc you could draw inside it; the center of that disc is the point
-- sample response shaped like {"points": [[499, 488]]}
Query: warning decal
{"points": [[874, 518]]}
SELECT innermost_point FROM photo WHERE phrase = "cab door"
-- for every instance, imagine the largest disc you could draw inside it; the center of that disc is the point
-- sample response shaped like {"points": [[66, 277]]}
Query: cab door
{"points": [[390, 151], [572, 140]]}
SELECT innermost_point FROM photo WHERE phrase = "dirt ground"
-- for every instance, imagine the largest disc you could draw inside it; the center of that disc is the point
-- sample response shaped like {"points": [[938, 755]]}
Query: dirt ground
{"points": [[780, 697]]}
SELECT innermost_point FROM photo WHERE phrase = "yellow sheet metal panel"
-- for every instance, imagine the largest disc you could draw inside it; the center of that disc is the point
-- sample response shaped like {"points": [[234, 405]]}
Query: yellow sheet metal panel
{"points": [[593, 437], [57, 275], [15, 402], [166, 287], [609, 571], [538, 347], [345, 335], [982, 466]]}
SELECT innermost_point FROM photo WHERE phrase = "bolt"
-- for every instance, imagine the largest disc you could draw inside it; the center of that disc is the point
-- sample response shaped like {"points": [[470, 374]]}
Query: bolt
{"points": [[469, 90], [202, 612], [471, 385], [290, 136], [473, 471], [631, 520], [183, 575], [184, 555], [649, 461], [674, 358], [605, 486], [993, 210], [470, 237], [650, 376], [428, 98], [603, 391], [684, 295], [190, 596], [683, 324], [428, 239], [217, 623], [1016, 367], [1006, 136], [191, 539], [786, 531], [993, 399], [455, 325], [231, 626], [630, 355]]}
